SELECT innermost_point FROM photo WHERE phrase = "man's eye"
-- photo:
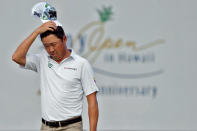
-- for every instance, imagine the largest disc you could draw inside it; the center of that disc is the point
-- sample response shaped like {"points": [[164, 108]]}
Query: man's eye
{"points": [[53, 44]]}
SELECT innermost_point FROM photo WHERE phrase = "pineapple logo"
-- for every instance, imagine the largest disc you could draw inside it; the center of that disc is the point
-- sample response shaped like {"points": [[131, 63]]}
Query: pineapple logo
{"points": [[90, 43], [95, 37]]}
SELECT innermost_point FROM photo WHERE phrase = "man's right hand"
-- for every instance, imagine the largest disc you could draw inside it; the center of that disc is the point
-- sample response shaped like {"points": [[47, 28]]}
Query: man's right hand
{"points": [[50, 25]]}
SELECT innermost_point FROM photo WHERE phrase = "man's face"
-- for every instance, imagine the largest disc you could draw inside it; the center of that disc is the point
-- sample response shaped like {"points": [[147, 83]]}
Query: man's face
{"points": [[55, 47]]}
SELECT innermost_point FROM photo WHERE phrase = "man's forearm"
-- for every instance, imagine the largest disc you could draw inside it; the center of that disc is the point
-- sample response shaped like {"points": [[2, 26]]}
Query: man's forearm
{"points": [[93, 116], [23, 48]]}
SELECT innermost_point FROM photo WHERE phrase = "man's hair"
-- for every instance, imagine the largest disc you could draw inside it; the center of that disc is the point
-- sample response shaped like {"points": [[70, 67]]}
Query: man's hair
{"points": [[59, 33]]}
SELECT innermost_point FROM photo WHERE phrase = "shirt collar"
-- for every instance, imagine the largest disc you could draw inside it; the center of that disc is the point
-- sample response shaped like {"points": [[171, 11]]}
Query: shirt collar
{"points": [[72, 54]]}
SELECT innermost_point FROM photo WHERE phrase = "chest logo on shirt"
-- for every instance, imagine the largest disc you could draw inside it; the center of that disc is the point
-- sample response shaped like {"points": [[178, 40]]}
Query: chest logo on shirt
{"points": [[70, 68], [50, 65]]}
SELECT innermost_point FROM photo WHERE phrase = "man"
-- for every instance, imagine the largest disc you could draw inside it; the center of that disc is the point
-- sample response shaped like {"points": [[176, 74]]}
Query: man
{"points": [[64, 78]]}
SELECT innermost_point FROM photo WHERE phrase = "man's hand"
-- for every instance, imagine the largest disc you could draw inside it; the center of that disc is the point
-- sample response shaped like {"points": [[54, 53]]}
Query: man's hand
{"points": [[50, 25]]}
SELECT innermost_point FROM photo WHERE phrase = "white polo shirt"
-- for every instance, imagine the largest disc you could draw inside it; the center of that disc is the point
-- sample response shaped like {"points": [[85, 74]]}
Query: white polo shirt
{"points": [[62, 85]]}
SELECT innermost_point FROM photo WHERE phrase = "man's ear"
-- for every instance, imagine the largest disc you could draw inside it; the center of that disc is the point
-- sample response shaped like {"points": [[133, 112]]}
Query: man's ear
{"points": [[64, 39]]}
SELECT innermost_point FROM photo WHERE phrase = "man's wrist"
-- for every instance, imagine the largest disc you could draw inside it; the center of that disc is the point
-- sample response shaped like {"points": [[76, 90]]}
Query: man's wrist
{"points": [[36, 32]]}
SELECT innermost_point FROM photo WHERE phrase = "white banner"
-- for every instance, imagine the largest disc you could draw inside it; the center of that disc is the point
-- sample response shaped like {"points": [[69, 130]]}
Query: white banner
{"points": [[142, 52]]}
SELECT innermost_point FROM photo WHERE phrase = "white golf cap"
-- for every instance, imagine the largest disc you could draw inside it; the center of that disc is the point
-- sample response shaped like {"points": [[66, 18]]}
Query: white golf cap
{"points": [[45, 12]]}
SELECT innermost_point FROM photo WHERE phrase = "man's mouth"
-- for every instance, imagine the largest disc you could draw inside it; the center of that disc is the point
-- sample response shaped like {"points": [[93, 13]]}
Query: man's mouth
{"points": [[53, 54]]}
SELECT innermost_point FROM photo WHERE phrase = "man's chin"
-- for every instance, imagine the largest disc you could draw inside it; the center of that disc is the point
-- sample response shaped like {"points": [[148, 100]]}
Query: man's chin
{"points": [[55, 58]]}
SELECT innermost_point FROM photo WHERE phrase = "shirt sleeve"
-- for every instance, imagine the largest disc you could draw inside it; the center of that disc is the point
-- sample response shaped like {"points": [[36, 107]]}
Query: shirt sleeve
{"points": [[87, 79], [32, 62]]}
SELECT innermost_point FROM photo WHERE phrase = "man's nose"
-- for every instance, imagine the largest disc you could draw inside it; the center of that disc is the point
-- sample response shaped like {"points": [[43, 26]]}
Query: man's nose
{"points": [[51, 49]]}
